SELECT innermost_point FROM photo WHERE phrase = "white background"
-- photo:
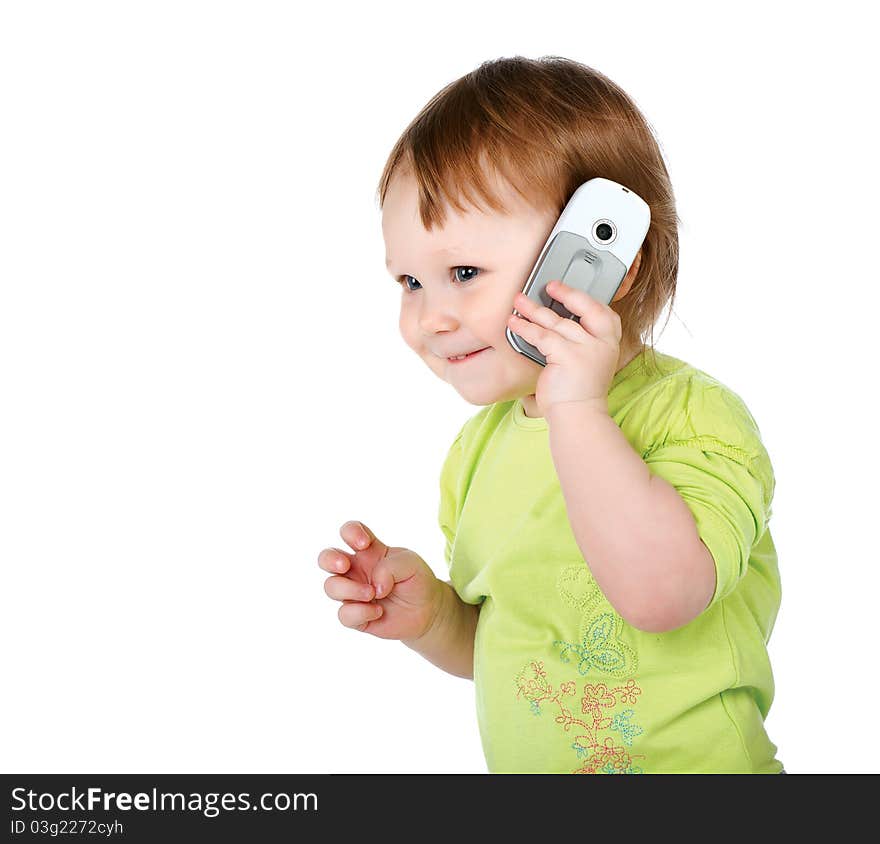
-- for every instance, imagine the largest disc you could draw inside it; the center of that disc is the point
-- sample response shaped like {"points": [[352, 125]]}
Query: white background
{"points": [[201, 376]]}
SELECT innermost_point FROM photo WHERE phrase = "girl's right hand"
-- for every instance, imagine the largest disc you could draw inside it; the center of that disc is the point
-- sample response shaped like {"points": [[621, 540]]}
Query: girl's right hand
{"points": [[387, 591]]}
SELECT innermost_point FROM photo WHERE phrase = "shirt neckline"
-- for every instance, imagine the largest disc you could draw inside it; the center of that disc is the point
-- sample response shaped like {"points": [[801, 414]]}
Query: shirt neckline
{"points": [[539, 423]]}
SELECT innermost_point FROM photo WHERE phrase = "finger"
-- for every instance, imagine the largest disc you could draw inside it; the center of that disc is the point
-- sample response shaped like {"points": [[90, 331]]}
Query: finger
{"points": [[358, 615], [539, 315], [596, 318], [359, 536], [345, 589], [549, 342], [332, 559]]}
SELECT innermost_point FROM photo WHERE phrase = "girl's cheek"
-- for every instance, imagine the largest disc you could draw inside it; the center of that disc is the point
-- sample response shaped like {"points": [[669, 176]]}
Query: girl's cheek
{"points": [[409, 331]]}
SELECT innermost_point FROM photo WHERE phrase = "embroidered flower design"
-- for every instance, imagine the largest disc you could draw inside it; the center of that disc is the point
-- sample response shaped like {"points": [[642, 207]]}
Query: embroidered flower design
{"points": [[629, 692], [607, 755], [600, 650], [595, 697], [599, 753]]}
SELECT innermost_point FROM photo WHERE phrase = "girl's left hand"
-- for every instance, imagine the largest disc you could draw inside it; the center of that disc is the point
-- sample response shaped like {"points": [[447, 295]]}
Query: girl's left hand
{"points": [[581, 357]]}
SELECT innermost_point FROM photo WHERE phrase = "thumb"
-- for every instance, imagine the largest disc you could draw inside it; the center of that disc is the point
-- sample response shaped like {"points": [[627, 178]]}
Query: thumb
{"points": [[397, 565]]}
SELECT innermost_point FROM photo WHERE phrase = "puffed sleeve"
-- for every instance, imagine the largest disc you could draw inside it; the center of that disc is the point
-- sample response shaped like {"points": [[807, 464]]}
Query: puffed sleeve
{"points": [[449, 483], [727, 481]]}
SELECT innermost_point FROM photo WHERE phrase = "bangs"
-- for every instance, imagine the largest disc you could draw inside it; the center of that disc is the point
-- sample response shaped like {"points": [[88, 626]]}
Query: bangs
{"points": [[465, 139]]}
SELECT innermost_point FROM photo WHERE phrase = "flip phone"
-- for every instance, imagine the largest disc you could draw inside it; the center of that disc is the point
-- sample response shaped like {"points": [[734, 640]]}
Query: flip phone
{"points": [[591, 247]]}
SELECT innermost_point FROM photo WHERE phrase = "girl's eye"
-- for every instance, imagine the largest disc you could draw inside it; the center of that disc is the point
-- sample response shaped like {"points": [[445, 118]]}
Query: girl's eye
{"points": [[469, 277], [469, 272]]}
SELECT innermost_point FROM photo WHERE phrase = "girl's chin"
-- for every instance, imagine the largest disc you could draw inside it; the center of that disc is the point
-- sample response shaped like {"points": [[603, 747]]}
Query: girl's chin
{"points": [[478, 394], [486, 394]]}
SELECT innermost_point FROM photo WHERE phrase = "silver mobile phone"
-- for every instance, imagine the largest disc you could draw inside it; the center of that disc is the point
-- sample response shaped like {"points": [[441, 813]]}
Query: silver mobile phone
{"points": [[591, 247]]}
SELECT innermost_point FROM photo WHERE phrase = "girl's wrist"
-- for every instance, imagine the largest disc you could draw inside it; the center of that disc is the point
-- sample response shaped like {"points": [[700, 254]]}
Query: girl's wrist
{"points": [[448, 639], [437, 617]]}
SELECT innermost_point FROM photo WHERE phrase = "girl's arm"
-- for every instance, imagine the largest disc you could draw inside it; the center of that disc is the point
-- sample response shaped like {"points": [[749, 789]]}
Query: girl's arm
{"points": [[449, 640], [634, 529]]}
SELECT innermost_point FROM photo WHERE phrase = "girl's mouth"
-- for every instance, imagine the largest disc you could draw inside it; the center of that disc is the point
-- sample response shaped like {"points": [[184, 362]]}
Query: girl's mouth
{"points": [[467, 357]]}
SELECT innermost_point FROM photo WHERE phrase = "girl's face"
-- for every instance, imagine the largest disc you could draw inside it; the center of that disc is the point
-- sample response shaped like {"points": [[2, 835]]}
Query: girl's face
{"points": [[458, 284]]}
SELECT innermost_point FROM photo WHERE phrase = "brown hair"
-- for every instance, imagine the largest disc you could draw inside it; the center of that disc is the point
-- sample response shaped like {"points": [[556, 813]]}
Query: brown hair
{"points": [[547, 126]]}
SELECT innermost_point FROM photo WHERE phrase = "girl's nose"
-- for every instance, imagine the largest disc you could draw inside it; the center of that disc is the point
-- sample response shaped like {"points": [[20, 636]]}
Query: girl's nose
{"points": [[437, 317]]}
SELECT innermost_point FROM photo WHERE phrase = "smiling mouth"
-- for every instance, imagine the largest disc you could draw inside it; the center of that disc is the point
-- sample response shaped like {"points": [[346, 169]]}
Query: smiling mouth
{"points": [[466, 357]]}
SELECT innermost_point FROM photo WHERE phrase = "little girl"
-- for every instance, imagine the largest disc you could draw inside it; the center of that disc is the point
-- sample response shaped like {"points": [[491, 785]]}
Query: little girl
{"points": [[613, 582]]}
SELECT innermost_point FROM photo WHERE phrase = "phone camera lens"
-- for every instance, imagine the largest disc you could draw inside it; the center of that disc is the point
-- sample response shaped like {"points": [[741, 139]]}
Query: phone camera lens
{"points": [[604, 231]]}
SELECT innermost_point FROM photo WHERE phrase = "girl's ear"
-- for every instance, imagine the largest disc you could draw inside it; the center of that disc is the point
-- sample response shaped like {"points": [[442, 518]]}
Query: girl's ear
{"points": [[629, 278]]}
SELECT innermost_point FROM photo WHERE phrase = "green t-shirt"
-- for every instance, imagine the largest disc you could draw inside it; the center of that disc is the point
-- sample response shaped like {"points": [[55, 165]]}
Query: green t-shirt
{"points": [[562, 682]]}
